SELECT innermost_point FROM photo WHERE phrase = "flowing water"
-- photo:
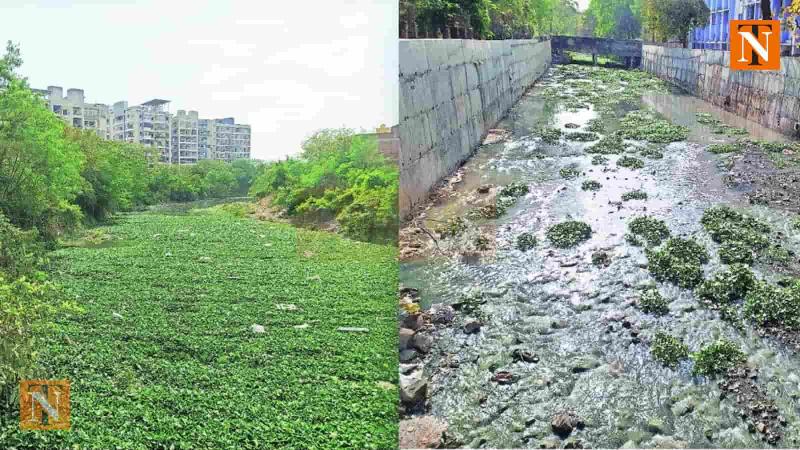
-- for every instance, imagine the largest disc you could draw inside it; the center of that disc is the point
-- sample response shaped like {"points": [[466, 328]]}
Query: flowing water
{"points": [[581, 320]]}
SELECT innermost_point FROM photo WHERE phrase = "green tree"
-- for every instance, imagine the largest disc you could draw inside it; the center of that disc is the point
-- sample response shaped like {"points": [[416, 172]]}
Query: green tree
{"points": [[677, 17]]}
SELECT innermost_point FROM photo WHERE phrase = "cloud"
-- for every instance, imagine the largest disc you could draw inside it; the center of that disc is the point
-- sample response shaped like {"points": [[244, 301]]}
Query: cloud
{"points": [[229, 47]]}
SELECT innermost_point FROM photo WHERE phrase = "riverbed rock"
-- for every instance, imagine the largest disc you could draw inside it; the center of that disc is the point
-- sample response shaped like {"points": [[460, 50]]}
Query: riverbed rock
{"points": [[656, 425], [549, 443], [413, 321], [422, 432], [413, 388], [684, 406], [422, 342], [584, 363], [669, 442], [473, 326], [406, 335], [407, 355], [564, 422], [442, 314]]}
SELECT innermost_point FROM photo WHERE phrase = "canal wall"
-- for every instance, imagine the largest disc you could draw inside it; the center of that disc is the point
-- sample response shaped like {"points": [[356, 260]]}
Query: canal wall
{"points": [[452, 92], [770, 98]]}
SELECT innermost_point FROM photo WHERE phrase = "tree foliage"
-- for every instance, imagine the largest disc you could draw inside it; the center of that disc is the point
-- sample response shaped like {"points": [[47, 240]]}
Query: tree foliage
{"points": [[339, 176]]}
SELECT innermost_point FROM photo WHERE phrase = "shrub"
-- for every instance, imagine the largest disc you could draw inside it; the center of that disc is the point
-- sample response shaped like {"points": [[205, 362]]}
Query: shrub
{"points": [[651, 229], [599, 160], [514, 190], [550, 135], [581, 136], [21, 252], [716, 358], [726, 225], [733, 252], [679, 261], [651, 301], [569, 234], [668, 350], [610, 145]]}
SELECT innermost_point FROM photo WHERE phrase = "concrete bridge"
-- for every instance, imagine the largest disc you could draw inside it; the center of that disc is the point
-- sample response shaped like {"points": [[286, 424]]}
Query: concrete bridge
{"points": [[629, 50]]}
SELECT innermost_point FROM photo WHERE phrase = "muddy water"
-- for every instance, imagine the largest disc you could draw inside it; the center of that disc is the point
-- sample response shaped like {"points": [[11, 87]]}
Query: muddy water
{"points": [[578, 318]]}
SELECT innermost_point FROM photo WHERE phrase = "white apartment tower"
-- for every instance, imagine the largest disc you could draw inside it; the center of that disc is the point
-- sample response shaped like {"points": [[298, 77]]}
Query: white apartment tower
{"points": [[224, 139], [185, 137], [147, 124], [75, 112]]}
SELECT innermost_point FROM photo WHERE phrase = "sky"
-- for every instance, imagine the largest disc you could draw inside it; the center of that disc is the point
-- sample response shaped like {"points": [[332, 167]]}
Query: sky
{"points": [[583, 4], [286, 68]]}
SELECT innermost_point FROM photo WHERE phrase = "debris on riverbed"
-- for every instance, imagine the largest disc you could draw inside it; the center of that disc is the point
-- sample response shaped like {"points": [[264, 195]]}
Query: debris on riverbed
{"points": [[740, 384]]}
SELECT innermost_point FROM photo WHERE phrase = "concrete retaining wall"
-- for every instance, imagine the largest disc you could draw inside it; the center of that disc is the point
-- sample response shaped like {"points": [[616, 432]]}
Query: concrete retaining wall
{"points": [[770, 98], [452, 92]]}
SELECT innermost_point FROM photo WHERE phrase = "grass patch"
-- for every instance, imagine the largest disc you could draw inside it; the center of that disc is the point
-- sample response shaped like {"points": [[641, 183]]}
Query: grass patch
{"points": [[549, 135], [452, 227], [187, 290], [652, 152], [595, 126], [569, 234], [514, 190], [720, 149], [591, 185], [634, 195], [599, 160], [679, 261], [652, 230], [716, 358], [668, 350], [630, 162], [652, 302]]}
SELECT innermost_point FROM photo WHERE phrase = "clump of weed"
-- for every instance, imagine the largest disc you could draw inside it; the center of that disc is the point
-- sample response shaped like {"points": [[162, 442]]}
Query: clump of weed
{"points": [[550, 135], [716, 358], [769, 305], [646, 126], [720, 149], [739, 232], [601, 259], [679, 261], [591, 185], [733, 252], [668, 350], [482, 243], [569, 173], [514, 190], [452, 227], [634, 195], [526, 241], [706, 118], [651, 301], [728, 286], [777, 254], [652, 152], [796, 223], [595, 126], [581, 136], [491, 211], [610, 145], [630, 162], [569, 234], [599, 160], [652, 230]]}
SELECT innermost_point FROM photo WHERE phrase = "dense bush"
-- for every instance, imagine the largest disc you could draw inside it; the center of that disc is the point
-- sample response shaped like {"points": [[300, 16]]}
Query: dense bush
{"points": [[716, 358], [339, 176]]}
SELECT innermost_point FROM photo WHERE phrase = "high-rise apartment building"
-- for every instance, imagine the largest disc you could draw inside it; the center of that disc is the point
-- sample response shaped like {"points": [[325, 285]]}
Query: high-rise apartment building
{"points": [[716, 33], [75, 112], [181, 138]]}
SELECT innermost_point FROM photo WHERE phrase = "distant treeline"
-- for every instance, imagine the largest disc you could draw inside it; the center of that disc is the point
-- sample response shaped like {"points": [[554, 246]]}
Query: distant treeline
{"points": [[653, 20]]}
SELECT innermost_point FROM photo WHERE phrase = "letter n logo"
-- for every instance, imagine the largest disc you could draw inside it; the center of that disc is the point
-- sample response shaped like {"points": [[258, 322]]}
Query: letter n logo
{"points": [[44, 405], [755, 45]]}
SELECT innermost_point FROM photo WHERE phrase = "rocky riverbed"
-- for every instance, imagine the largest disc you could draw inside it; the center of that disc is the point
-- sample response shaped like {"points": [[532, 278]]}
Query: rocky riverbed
{"points": [[616, 267]]}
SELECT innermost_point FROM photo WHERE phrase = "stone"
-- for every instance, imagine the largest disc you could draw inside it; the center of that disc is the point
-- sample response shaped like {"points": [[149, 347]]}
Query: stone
{"points": [[563, 423], [684, 406], [422, 342], [669, 442], [473, 326], [413, 321], [406, 335], [629, 444], [407, 355], [257, 329], [442, 314], [584, 364], [413, 388], [573, 443], [655, 425], [549, 443], [422, 432], [353, 330]]}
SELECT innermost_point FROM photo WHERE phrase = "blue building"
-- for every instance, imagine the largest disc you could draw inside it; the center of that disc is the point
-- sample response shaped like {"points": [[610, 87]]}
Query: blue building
{"points": [[715, 35]]}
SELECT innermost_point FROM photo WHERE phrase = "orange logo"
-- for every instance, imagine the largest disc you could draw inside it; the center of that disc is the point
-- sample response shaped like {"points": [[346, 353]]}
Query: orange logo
{"points": [[755, 45], [44, 405]]}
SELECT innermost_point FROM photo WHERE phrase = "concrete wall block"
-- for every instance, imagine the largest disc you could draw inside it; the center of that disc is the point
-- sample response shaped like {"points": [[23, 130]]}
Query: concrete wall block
{"points": [[413, 57], [458, 80]]}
